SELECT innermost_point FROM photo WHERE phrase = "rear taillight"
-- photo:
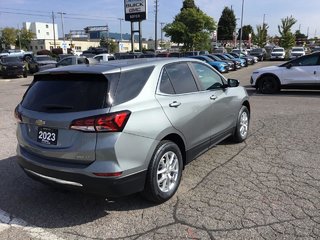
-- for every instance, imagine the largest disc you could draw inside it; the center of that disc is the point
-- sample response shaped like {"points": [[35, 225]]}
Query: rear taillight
{"points": [[17, 115], [112, 122]]}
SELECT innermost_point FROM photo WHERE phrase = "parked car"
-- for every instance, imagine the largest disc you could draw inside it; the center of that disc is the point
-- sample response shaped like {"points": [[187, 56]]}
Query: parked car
{"points": [[104, 57], [126, 126], [231, 65], [12, 66], [40, 63], [74, 60], [220, 66], [250, 60], [302, 72], [237, 62], [243, 62], [278, 53], [297, 52], [315, 49], [260, 53]]}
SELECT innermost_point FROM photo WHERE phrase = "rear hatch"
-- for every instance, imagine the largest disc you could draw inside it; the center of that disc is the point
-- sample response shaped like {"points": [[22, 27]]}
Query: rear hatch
{"points": [[52, 105]]}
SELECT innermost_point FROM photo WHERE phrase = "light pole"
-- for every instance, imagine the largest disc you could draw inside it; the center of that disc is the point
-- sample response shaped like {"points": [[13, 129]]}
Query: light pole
{"points": [[61, 14], [240, 45], [120, 19]]}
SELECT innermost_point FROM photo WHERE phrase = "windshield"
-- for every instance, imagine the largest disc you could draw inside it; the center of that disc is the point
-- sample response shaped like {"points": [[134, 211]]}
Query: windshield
{"points": [[297, 50], [10, 59], [256, 50], [43, 58]]}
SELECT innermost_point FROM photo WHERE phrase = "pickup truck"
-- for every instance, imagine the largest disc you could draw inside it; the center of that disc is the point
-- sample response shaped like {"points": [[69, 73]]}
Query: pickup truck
{"points": [[104, 57], [25, 56]]}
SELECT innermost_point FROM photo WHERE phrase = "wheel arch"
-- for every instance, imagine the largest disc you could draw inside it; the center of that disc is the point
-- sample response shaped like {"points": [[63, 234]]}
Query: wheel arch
{"points": [[179, 141], [267, 75]]}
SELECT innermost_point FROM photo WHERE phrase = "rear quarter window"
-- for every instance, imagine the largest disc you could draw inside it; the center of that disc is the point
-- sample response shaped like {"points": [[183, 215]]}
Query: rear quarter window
{"points": [[131, 83]]}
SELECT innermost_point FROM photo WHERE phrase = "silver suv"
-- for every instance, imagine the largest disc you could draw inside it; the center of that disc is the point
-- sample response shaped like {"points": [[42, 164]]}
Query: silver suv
{"points": [[126, 126]]}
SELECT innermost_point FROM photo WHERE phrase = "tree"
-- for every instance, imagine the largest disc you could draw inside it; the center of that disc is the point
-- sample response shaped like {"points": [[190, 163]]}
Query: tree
{"points": [[227, 24], [108, 44], [247, 29], [188, 4], [260, 38], [24, 38], [9, 36], [191, 27], [287, 39]]}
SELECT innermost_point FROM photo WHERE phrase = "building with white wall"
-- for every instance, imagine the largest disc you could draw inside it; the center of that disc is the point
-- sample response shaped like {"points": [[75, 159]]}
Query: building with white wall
{"points": [[42, 30]]}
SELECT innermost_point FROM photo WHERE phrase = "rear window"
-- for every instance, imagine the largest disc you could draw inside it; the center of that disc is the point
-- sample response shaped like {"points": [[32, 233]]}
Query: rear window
{"points": [[67, 93]]}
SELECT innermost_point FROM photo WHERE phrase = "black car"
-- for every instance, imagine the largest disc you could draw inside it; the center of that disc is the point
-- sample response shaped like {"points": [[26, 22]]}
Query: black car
{"points": [[40, 63], [13, 66], [260, 53]]}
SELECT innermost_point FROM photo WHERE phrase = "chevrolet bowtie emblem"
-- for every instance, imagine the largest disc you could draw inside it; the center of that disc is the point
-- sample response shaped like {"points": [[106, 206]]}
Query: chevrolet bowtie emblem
{"points": [[40, 122]]}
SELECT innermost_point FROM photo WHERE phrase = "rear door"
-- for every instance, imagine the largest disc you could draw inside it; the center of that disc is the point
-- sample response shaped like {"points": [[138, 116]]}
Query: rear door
{"points": [[187, 109]]}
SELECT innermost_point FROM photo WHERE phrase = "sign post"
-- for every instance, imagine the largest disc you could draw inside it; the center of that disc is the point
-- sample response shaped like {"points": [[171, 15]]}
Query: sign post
{"points": [[135, 11]]}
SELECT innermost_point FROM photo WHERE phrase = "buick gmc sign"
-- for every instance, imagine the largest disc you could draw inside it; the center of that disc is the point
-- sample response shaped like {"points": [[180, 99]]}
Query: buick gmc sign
{"points": [[135, 10]]}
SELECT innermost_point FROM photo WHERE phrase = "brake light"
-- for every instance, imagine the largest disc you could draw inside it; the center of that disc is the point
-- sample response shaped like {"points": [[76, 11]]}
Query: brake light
{"points": [[112, 122], [17, 115]]}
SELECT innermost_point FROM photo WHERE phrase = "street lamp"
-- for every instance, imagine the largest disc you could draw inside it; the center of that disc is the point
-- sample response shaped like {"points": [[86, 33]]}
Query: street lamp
{"points": [[120, 28], [61, 14], [240, 46]]}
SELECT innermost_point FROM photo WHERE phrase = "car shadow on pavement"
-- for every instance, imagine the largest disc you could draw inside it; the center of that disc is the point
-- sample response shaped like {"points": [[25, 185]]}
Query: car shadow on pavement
{"points": [[48, 207]]}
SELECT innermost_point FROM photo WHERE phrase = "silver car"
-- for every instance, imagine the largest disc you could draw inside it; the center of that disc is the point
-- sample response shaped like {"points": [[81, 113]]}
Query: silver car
{"points": [[126, 126]]}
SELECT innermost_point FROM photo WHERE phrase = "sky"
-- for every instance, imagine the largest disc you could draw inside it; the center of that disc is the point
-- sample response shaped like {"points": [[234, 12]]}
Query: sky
{"points": [[83, 13]]}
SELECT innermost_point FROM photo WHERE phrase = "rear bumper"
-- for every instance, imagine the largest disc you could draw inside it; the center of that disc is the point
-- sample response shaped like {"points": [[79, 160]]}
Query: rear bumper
{"points": [[77, 178]]}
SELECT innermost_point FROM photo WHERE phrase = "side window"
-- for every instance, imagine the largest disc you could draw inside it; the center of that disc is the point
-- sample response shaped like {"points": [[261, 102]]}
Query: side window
{"points": [[99, 58], [165, 83], [209, 79], [66, 62], [309, 60], [81, 60], [181, 78], [131, 83]]}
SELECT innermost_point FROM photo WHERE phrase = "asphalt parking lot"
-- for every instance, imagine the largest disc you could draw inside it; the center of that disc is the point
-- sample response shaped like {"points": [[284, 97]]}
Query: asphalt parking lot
{"points": [[265, 188]]}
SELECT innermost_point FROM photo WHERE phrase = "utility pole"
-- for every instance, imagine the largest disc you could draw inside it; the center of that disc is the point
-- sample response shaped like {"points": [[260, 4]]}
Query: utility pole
{"points": [[162, 23], [156, 26], [120, 28], [61, 14], [54, 31], [240, 46]]}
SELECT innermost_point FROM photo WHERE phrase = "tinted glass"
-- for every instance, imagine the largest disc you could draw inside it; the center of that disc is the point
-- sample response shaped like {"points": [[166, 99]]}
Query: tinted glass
{"points": [[209, 79], [131, 83], [66, 62], [66, 93], [181, 78], [165, 84], [309, 60]]}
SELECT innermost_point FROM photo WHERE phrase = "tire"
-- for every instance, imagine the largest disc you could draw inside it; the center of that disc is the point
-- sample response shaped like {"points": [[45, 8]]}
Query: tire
{"points": [[242, 127], [164, 173], [268, 85]]}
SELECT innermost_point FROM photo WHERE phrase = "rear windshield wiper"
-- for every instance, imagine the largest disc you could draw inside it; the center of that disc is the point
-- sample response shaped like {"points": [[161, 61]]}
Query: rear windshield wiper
{"points": [[56, 107]]}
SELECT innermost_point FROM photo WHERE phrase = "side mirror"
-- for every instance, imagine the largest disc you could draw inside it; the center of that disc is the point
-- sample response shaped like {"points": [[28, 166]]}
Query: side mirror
{"points": [[233, 82], [289, 65]]}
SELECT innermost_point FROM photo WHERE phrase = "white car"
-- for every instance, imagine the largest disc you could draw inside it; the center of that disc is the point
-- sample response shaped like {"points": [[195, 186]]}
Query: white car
{"points": [[104, 57], [278, 53], [297, 52], [302, 72]]}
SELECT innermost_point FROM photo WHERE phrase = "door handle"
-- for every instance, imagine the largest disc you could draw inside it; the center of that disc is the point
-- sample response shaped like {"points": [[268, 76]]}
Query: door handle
{"points": [[175, 104], [213, 97]]}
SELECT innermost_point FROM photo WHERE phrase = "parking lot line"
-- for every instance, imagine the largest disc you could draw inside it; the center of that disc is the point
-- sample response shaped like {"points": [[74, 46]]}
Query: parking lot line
{"points": [[7, 221]]}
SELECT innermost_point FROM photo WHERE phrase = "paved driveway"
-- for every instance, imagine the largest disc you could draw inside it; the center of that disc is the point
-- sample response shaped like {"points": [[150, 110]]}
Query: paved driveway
{"points": [[265, 188]]}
